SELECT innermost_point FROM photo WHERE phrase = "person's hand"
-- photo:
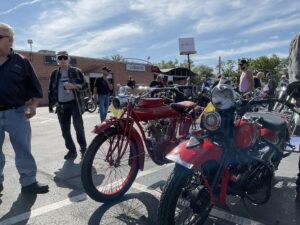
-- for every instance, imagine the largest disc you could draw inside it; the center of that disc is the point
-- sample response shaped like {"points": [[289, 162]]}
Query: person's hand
{"points": [[30, 111], [70, 86]]}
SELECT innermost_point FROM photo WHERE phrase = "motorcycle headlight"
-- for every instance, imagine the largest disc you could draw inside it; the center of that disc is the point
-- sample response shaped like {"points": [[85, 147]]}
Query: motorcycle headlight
{"points": [[223, 96], [120, 102], [211, 120]]}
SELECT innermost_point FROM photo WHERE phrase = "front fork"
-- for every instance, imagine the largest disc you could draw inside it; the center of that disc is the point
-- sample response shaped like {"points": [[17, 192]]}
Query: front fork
{"points": [[219, 185]]}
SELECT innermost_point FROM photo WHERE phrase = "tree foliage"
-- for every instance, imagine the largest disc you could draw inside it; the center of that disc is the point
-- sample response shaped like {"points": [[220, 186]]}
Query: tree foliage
{"points": [[168, 64], [117, 57], [202, 71], [277, 66]]}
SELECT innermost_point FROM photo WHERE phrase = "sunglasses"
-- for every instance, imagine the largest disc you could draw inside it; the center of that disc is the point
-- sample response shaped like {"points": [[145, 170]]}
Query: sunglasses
{"points": [[62, 57], [2, 36]]}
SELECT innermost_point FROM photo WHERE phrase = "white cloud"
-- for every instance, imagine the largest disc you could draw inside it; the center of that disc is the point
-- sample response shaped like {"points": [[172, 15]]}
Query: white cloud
{"points": [[246, 19], [163, 44], [152, 27], [274, 37], [96, 43], [244, 50], [19, 6], [275, 24], [162, 12]]}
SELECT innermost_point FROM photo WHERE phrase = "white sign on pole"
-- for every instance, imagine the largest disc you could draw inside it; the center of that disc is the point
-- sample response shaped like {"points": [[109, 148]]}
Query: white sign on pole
{"points": [[187, 46]]}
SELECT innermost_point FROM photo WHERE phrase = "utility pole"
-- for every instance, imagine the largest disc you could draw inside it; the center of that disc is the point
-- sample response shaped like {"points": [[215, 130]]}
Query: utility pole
{"points": [[219, 64], [30, 42]]}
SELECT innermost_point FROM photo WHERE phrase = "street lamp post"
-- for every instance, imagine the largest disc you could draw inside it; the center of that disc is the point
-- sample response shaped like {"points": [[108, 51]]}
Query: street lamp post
{"points": [[30, 42]]}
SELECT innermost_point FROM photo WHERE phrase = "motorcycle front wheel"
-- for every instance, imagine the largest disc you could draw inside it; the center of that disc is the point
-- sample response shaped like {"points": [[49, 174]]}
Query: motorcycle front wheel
{"points": [[106, 174], [176, 203]]}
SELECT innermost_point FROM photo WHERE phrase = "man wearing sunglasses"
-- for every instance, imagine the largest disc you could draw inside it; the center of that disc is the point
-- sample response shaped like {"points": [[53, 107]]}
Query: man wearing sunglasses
{"points": [[66, 83], [19, 94]]}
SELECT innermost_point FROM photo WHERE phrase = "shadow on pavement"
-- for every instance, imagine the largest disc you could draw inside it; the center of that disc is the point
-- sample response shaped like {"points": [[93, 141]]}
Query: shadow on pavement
{"points": [[69, 177], [21, 206], [280, 210], [132, 209]]}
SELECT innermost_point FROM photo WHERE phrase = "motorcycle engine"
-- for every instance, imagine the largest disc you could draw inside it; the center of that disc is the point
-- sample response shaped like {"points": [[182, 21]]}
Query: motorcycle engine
{"points": [[157, 131], [254, 172]]}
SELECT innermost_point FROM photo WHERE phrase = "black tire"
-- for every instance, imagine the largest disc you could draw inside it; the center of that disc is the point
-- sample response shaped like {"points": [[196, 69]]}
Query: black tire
{"points": [[91, 106], [87, 170], [178, 180]]}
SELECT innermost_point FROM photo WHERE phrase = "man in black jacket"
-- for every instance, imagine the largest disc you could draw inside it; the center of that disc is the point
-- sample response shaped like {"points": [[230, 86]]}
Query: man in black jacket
{"points": [[64, 93]]}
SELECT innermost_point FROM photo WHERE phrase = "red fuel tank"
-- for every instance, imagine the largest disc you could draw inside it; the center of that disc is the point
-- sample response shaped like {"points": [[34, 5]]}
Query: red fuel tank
{"points": [[246, 134]]}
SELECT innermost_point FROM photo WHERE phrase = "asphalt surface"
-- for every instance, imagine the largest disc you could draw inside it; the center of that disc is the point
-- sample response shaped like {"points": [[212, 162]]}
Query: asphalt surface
{"points": [[67, 204]]}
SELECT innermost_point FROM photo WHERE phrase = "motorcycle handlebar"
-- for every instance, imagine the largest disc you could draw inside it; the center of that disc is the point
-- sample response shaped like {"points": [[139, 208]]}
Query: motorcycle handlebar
{"points": [[248, 104]]}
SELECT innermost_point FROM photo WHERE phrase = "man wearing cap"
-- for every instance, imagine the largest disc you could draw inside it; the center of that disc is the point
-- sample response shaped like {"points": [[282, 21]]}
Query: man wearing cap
{"points": [[102, 89], [66, 83], [19, 93], [246, 79]]}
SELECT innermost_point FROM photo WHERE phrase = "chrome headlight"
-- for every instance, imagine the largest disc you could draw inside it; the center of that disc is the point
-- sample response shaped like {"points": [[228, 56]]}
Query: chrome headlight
{"points": [[223, 96], [120, 102], [211, 120]]}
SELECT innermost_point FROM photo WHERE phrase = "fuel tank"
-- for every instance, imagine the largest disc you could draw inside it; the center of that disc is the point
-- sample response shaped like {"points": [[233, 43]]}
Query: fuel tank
{"points": [[153, 109]]}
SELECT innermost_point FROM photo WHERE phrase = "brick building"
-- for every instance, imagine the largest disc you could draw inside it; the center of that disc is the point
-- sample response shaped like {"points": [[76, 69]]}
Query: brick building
{"points": [[44, 63]]}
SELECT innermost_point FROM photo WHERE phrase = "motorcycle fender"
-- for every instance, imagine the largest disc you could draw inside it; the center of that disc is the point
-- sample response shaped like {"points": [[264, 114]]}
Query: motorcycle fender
{"points": [[103, 126], [193, 158], [134, 135]]}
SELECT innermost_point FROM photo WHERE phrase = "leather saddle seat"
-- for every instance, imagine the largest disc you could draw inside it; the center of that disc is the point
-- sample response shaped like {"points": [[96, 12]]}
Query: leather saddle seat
{"points": [[184, 106], [268, 120]]}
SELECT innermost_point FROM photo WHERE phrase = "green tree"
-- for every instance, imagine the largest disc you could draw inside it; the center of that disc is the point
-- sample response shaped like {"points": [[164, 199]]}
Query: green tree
{"points": [[167, 65], [117, 57], [186, 65], [202, 71], [267, 64], [228, 68]]}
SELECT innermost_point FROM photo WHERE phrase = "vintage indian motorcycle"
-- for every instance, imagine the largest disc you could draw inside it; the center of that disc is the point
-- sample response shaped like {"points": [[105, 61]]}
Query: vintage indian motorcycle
{"points": [[112, 160], [237, 155]]}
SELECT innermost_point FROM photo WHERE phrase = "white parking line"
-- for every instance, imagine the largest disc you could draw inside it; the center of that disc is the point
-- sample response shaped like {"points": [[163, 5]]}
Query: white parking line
{"points": [[66, 202]]}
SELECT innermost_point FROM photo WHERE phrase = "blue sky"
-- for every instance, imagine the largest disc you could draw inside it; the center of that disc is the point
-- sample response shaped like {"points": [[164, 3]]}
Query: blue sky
{"points": [[142, 28]]}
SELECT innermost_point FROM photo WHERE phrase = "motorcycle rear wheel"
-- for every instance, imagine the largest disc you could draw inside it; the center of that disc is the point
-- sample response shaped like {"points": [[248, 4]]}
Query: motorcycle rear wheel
{"points": [[173, 206], [106, 180]]}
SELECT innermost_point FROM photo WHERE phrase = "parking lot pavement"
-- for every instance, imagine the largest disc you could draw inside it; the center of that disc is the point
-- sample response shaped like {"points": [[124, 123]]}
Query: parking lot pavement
{"points": [[66, 203]]}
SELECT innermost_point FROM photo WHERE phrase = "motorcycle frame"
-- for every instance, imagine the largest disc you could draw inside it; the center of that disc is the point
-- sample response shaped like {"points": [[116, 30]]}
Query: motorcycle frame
{"points": [[126, 126]]}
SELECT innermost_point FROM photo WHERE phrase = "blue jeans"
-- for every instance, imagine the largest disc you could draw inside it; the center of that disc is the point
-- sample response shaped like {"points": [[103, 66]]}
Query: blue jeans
{"points": [[103, 101], [14, 122]]}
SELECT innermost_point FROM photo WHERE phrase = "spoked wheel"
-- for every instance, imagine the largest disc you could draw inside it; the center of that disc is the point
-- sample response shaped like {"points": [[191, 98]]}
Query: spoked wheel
{"points": [[91, 106], [105, 174], [184, 200]]}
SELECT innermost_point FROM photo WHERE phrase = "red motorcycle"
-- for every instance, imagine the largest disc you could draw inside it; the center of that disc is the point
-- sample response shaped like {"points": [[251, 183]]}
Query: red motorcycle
{"points": [[115, 155], [236, 155]]}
